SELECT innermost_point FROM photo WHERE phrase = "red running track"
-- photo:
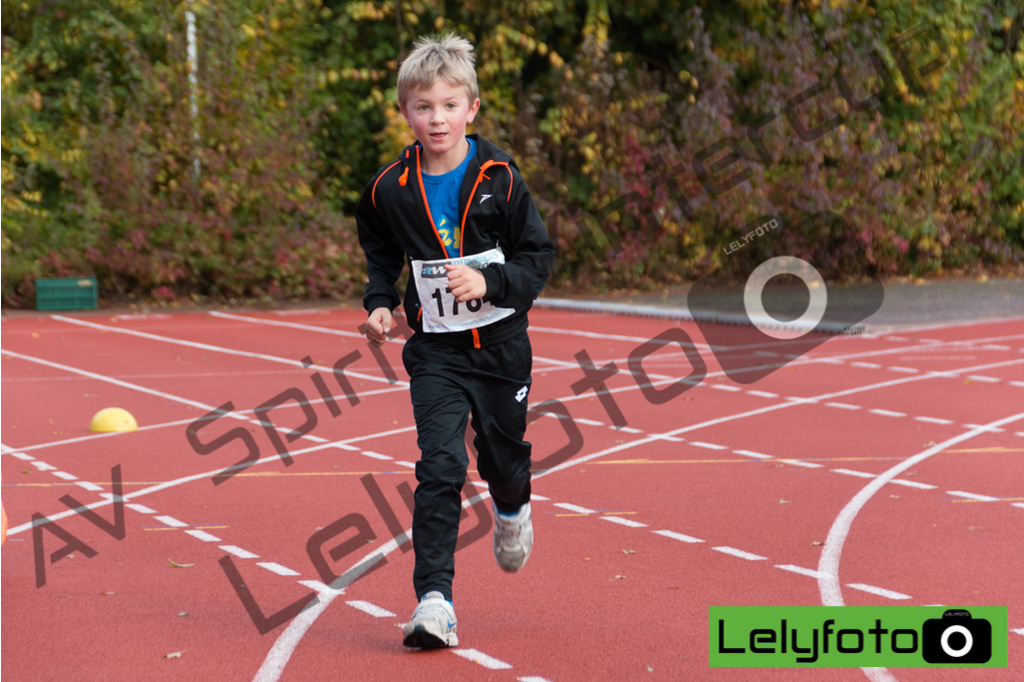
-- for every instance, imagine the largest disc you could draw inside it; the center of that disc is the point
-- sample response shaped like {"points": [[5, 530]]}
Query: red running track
{"points": [[727, 494]]}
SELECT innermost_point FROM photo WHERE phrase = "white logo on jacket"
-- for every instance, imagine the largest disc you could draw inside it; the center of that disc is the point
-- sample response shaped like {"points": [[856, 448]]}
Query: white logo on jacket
{"points": [[484, 197], [521, 394]]}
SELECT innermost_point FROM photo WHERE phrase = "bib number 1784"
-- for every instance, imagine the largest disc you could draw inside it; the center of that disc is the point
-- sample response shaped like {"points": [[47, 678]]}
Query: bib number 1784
{"points": [[472, 305]]}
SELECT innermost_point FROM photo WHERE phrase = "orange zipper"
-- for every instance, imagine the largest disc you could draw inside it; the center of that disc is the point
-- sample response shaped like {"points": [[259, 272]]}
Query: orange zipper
{"points": [[423, 193]]}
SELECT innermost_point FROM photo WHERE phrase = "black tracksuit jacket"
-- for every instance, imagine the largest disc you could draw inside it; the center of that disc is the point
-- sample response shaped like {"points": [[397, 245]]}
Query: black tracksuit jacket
{"points": [[394, 226]]}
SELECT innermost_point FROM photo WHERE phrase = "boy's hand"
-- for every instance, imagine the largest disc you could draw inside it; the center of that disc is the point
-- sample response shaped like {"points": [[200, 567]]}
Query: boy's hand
{"points": [[378, 325], [466, 283]]}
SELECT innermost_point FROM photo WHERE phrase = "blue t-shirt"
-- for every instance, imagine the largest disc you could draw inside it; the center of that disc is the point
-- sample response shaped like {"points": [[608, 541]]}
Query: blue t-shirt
{"points": [[443, 199]]}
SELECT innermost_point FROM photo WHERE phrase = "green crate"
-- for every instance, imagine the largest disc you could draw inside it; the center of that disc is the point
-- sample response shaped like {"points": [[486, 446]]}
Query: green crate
{"points": [[66, 293]]}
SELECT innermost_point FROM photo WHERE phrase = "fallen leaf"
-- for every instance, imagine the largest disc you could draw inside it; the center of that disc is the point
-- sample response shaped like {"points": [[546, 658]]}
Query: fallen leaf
{"points": [[105, 593], [650, 669], [26, 471], [817, 544], [183, 613], [784, 502], [35, 336], [618, 577], [174, 565], [895, 496], [176, 654], [629, 551]]}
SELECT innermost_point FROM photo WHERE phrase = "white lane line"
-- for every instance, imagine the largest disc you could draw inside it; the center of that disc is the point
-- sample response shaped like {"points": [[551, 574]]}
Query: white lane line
{"points": [[574, 508], [888, 413], [206, 474], [88, 486], [375, 455], [1018, 504], [239, 552], [725, 387], [535, 496], [536, 678], [972, 496], [276, 568], [851, 472], [118, 382], [906, 370], [677, 536], [988, 380], [22, 456], [798, 569], [294, 325], [934, 420], [111, 434], [984, 428], [763, 394], [828, 564], [43, 466], [141, 508], [588, 422], [352, 448], [372, 609], [879, 591], [624, 522], [215, 349], [411, 465], [1019, 384], [749, 453], [309, 436], [203, 535], [483, 659], [844, 406], [171, 521], [629, 429], [671, 439], [739, 553], [913, 484], [709, 446], [865, 365], [799, 463], [65, 475]]}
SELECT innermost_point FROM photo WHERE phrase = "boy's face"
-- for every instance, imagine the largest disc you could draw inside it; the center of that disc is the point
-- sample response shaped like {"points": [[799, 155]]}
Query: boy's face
{"points": [[438, 116]]}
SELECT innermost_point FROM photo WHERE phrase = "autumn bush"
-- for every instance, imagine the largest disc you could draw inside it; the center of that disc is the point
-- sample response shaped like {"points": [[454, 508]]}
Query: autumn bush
{"points": [[605, 105]]}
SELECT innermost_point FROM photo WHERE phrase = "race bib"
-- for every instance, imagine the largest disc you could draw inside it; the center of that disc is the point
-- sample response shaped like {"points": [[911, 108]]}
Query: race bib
{"points": [[441, 312]]}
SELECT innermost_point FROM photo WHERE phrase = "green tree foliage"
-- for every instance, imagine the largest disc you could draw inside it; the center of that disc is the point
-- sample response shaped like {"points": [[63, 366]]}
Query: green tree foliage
{"points": [[598, 100]]}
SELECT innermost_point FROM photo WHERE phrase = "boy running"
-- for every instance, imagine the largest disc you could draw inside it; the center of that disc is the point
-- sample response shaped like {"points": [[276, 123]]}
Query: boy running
{"points": [[457, 208]]}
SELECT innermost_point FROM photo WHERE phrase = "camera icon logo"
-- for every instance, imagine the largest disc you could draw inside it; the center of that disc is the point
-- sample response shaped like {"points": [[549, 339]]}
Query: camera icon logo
{"points": [[782, 308], [956, 638]]}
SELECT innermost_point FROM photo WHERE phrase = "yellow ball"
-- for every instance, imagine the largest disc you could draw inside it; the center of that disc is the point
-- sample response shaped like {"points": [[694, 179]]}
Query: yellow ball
{"points": [[113, 419]]}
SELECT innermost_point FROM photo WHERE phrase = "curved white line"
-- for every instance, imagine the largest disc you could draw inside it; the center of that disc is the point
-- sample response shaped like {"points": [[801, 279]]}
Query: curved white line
{"points": [[828, 564]]}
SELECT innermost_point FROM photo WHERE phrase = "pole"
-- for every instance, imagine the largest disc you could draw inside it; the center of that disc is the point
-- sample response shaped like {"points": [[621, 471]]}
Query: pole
{"points": [[193, 84]]}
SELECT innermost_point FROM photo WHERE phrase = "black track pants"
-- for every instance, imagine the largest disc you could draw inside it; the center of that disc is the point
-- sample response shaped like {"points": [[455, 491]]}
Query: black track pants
{"points": [[447, 383]]}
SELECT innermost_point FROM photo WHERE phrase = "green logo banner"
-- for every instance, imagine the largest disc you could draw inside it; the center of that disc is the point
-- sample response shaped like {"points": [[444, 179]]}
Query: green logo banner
{"points": [[857, 636]]}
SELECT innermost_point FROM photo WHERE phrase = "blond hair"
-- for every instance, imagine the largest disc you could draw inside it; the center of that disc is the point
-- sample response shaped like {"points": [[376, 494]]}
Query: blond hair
{"points": [[449, 57]]}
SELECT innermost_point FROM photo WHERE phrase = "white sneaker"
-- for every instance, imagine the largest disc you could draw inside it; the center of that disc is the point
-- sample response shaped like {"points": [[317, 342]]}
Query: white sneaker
{"points": [[432, 625], [513, 538]]}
